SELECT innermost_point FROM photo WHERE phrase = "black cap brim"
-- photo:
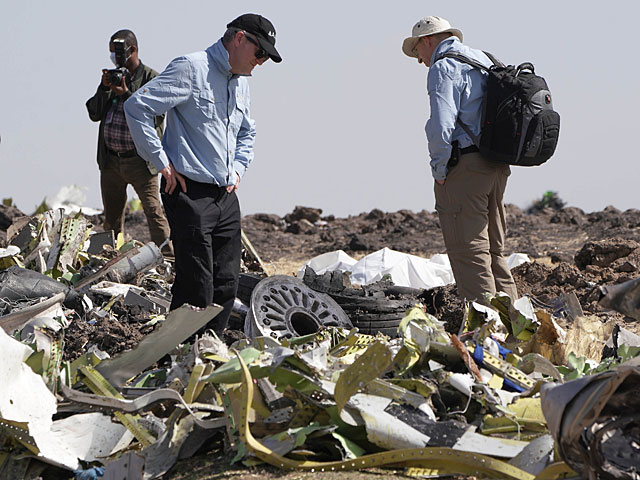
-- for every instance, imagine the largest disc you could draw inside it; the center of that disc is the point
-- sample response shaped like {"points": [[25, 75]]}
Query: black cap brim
{"points": [[270, 49]]}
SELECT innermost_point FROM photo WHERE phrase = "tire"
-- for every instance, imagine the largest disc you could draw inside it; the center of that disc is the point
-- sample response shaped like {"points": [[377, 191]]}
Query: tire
{"points": [[389, 331], [371, 323], [376, 313], [284, 307], [378, 317], [377, 325], [377, 308], [246, 283]]}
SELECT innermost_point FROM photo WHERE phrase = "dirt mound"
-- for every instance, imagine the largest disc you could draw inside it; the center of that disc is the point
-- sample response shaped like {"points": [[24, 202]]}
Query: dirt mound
{"points": [[603, 262], [549, 200], [7, 215], [556, 233], [572, 251], [113, 335], [615, 253]]}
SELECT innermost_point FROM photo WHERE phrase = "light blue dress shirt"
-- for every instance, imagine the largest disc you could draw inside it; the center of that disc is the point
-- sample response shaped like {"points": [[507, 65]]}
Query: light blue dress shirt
{"points": [[209, 133], [455, 91]]}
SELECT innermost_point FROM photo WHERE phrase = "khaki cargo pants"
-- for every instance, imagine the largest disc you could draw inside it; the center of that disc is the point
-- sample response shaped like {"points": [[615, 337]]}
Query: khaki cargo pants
{"points": [[114, 178], [472, 218]]}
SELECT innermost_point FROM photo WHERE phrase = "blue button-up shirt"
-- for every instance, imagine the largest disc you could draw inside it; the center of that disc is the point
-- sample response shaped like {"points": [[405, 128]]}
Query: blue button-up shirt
{"points": [[455, 91], [209, 134]]}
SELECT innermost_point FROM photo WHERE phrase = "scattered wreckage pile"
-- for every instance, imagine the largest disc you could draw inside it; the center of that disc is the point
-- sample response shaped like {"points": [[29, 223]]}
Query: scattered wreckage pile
{"points": [[99, 379]]}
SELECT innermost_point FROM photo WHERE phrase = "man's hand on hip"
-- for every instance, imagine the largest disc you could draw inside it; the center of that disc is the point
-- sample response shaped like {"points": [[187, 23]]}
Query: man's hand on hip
{"points": [[440, 182], [173, 178], [233, 188]]}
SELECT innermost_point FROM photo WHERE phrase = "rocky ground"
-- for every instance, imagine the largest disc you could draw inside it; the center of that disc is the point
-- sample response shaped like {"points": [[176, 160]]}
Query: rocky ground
{"points": [[552, 235]]}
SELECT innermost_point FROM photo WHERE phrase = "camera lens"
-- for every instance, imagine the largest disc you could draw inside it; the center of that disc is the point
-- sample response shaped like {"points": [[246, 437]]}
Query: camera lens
{"points": [[115, 77]]}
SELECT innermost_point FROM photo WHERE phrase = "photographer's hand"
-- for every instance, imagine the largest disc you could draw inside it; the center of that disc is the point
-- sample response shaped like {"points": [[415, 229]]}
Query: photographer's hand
{"points": [[105, 78], [120, 89]]}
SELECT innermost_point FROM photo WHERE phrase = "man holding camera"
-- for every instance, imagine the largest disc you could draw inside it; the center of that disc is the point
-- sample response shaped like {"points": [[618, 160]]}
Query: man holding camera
{"points": [[207, 146], [119, 162]]}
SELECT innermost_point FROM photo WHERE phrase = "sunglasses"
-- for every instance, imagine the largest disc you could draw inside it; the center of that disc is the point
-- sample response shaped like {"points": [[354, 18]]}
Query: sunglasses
{"points": [[260, 52], [414, 50]]}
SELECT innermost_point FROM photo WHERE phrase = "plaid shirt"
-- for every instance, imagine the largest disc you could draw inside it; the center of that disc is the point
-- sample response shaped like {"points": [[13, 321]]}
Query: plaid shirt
{"points": [[101, 103], [116, 131]]}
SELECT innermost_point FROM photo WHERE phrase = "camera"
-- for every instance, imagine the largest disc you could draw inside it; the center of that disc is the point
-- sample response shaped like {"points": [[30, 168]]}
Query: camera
{"points": [[115, 75]]}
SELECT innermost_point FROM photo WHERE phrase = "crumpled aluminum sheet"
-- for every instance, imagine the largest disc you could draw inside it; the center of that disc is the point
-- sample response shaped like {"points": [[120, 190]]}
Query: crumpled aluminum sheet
{"points": [[595, 421], [622, 297]]}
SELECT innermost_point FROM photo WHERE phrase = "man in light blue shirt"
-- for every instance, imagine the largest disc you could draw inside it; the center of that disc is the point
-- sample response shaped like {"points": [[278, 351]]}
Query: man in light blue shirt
{"points": [[469, 188], [206, 149]]}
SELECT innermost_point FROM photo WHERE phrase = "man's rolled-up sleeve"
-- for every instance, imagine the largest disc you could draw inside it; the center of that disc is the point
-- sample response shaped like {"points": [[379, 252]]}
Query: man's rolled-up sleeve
{"points": [[244, 142], [444, 101], [168, 90]]}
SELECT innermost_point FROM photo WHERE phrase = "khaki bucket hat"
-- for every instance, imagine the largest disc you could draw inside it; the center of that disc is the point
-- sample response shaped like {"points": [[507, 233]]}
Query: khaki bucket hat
{"points": [[427, 26]]}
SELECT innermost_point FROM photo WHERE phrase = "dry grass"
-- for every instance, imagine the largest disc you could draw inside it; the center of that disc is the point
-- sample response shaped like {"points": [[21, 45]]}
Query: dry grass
{"points": [[291, 265], [285, 266]]}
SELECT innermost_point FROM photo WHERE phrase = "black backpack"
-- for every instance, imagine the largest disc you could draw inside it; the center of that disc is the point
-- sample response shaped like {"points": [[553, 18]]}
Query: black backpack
{"points": [[519, 125]]}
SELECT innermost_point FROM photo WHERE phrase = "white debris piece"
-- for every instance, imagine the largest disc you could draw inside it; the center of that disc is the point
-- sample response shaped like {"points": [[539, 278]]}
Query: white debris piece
{"points": [[405, 270], [10, 251], [24, 397], [71, 198], [91, 436]]}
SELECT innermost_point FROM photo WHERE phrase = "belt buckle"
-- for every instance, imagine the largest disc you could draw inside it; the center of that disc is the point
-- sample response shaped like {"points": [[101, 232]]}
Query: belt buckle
{"points": [[126, 154]]}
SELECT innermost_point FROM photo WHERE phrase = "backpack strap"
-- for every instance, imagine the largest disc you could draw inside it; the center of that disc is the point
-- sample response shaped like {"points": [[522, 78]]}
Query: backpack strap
{"points": [[494, 60], [469, 61], [464, 59], [474, 138]]}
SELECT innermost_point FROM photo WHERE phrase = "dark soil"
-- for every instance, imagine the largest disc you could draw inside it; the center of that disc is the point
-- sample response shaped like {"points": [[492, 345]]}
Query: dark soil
{"points": [[557, 234], [115, 334], [572, 251]]}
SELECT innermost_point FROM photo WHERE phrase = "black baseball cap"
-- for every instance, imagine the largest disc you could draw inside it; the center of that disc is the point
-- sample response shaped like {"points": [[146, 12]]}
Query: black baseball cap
{"points": [[262, 29]]}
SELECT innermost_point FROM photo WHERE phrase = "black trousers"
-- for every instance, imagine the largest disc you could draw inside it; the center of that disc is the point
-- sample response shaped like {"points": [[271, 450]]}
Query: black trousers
{"points": [[206, 235]]}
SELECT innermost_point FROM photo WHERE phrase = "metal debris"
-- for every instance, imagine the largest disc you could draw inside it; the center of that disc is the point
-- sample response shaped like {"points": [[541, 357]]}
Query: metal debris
{"points": [[303, 388], [284, 307], [595, 423], [179, 325], [623, 297]]}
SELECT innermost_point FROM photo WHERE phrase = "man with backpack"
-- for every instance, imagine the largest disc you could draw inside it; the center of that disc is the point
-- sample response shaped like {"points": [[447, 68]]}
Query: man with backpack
{"points": [[469, 187]]}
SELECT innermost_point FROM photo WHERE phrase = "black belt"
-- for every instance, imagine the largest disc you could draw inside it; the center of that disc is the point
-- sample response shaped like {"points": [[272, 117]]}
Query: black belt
{"points": [[456, 153], [469, 149], [127, 154]]}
